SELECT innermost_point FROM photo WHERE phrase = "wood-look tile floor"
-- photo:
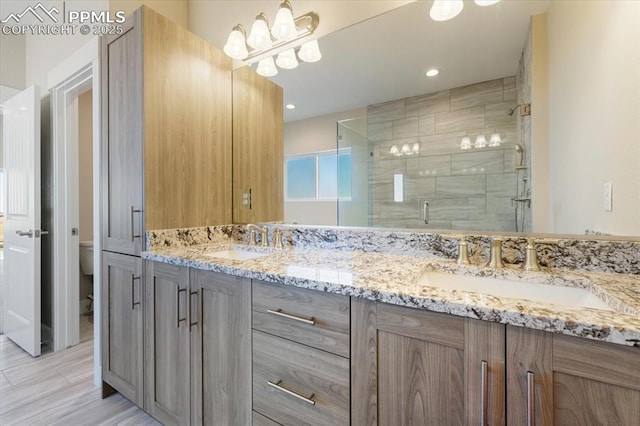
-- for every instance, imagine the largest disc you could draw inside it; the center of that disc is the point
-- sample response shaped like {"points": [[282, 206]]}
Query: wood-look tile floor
{"points": [[57, 388]]}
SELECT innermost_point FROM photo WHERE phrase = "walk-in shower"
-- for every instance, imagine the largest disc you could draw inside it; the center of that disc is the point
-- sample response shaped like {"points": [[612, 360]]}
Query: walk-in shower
{"points": [[522, 198]]}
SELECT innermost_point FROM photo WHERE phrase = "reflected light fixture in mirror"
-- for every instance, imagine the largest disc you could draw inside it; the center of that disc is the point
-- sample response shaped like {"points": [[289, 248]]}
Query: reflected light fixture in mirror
{"points": [[443, 10], [481, 142], [465, 143], [267, 67], [287, 60], [310, 52], [486, 2], [495, 140]]}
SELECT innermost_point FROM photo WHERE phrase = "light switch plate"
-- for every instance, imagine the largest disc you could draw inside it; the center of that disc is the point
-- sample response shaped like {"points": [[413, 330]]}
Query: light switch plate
{"points": [[608, 197]]}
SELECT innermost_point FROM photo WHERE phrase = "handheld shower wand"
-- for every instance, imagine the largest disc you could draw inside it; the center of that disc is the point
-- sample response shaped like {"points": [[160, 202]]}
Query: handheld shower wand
{"points": [[520, 150]]}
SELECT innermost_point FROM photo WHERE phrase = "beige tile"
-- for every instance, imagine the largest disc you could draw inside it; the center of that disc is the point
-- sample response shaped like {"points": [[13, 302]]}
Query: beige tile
{"points": [[420, 188], [405, 210], [405, 128], [382, 191], [386, 111], [445, 143], [501, 184], [429, 104], [460, 120], [385, 169], [484, 225], [449, 209], [460, 186], [377, 132], [427, 125], [500, 204], [429, 166], [496, 116], [509, 85], [477, 94], [477, 162]]}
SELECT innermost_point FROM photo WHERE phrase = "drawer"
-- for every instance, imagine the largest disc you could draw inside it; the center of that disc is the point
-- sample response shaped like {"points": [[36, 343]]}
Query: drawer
{"points": [[314, 318], [296, 384], [260, 420]]}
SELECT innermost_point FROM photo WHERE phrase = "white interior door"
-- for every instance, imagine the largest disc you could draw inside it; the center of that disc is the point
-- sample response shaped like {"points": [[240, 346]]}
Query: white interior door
{"points": [[21, 152]]}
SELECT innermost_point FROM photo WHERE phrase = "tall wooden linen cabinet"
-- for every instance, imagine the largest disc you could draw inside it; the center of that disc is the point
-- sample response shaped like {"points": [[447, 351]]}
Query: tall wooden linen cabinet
{"points": [[166, 149]]}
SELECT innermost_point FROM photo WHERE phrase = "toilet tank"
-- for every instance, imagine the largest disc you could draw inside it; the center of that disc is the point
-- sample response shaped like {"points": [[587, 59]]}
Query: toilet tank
{"points": [[86, 257]]}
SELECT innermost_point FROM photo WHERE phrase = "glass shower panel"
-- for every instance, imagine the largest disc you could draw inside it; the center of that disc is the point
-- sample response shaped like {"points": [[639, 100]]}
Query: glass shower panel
{"points": [[353, 172]]}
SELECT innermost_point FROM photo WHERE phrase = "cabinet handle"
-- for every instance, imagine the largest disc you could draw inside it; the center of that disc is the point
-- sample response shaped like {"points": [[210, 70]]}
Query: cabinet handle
{"points": [[131, 232], [484, 395], [178, 291], [279, 313], [133, 292], [277, 386], [531, 410], [191, 322]]}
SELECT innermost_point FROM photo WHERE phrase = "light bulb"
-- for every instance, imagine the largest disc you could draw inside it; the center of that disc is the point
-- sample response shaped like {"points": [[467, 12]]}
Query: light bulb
{"points": [[259, 36], [495, 140], [236, 46], [406, 150], [481, 142], [310, 52], [486, 2], [393, 150], [443, 10], [284, 27], [465, 143], [267, 68], [287, 60], [416, 148]]}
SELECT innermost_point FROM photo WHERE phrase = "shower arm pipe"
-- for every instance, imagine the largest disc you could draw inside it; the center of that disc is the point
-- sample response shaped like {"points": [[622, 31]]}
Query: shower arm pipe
{"points": [[525, 109]]}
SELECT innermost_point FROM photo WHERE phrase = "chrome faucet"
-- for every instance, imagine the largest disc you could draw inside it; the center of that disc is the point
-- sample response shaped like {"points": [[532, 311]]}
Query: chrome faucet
{"points": [[252, 236], [495, 255]]}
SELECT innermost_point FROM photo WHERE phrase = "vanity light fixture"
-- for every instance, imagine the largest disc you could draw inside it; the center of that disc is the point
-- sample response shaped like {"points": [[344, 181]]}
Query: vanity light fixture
{"points": [[405, 149], [495, 140], [433, 72], [486, 2], [283, 38], [394, 150]]}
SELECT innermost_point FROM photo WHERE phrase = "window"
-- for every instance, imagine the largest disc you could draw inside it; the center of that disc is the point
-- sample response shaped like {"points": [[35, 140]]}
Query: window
{"points": [[318, 176]]}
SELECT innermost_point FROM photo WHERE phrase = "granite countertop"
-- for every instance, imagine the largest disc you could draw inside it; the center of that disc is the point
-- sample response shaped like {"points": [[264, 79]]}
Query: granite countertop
{"points": [[393, 278]]}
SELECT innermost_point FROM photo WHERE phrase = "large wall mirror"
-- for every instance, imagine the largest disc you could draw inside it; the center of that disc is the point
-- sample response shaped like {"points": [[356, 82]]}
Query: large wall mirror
{"points": [[375, 142]]}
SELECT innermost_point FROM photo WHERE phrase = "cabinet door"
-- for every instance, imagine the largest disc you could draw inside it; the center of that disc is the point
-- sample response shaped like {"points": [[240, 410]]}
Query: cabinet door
{"points": [[220, 349], [258, 148], [121, 139], [122, 324], [167, 391], [556, 379], [423, 368]]}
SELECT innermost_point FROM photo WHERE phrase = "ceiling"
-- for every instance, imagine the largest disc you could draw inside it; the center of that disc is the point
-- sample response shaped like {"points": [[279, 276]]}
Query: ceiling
{"points": [[385, 57]]}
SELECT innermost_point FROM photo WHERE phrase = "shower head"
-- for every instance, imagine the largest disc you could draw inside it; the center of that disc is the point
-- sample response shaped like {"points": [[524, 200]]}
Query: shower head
{"points": [[525, 109]]}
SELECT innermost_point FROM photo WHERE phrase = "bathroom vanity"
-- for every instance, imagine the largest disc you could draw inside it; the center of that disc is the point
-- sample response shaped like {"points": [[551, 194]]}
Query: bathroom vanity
{"points": [[236, 334]]}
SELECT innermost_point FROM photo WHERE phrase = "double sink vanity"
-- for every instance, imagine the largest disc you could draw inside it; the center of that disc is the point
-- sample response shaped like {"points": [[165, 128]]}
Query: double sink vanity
{"points": [[340, 327]]}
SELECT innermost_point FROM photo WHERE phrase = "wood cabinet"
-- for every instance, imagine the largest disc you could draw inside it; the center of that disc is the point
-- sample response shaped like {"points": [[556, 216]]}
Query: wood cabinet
{"points": [[417, 367], [300, 356], [258, 148], [556, 379], [166, 131], [122, 324], [197, 346], [167, 338]]}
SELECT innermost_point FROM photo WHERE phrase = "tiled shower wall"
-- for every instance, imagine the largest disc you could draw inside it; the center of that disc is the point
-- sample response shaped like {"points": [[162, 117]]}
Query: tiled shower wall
{"points": [[523, 95], [468, 190]]}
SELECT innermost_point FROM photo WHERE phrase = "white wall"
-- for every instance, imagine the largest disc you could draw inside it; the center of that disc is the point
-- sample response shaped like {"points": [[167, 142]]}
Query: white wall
{"points": [[313, 135], [85, 174], [594, 115], [12, 60]]}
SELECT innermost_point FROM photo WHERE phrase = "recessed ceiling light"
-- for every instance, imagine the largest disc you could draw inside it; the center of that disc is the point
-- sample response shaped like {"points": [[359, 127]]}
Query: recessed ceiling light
{"points": [[433, 72], [291, 106]]}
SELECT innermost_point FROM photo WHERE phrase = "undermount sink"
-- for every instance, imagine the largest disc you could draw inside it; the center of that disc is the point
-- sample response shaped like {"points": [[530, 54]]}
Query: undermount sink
{"points": [[555, 294], [235, 254]]}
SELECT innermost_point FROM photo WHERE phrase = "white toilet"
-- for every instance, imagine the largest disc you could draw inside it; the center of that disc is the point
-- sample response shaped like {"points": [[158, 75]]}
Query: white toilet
{"points": [[86, 257]]}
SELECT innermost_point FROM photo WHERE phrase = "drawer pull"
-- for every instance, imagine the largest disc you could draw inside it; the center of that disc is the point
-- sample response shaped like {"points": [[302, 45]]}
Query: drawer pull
{"points": [[279, 313], [531, 402], [292, 393], [484, 400]]}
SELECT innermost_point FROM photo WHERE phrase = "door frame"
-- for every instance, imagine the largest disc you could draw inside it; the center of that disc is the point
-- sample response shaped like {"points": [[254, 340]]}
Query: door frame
{"points": [[75, 75]]}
